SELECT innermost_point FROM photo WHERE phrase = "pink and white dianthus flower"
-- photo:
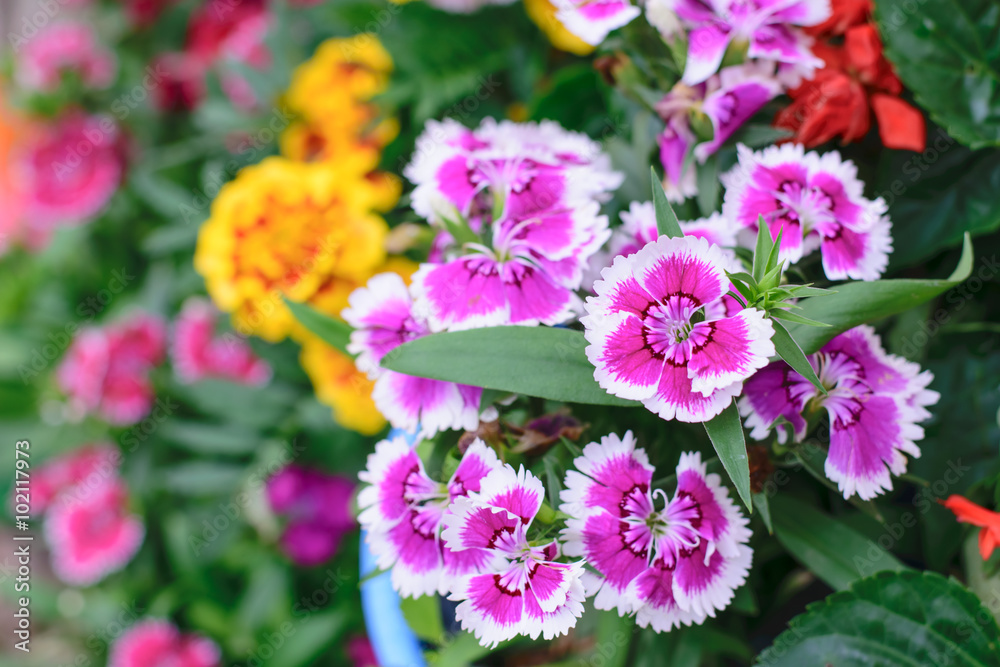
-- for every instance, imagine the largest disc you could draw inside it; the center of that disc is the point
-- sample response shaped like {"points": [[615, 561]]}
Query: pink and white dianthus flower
{"points": [[106, 370], [62, 48], [403, 511], [158, 642], [71, 168], [593, 20], [728, 99], [875, 402], [465, 6], [383, 316], [520, 588], [670, 566], [91, 534], [817, 201], [662, 330], [769, 28], [198, 354], [84, 466], [531, 192]]}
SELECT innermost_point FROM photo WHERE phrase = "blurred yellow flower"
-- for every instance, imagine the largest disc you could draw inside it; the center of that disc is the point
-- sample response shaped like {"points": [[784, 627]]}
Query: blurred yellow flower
{"points": [[339, 384], [332, 89], [543, 13], [287, 228]]}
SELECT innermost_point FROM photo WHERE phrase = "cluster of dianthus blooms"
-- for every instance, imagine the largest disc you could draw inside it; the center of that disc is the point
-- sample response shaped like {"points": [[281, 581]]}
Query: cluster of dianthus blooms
{"points": [[486, 538], [107, 370]]}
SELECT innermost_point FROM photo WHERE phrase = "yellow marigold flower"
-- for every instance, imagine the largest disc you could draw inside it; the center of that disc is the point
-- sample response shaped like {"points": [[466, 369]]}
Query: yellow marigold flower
{"points": [[339, 384], [285, 228], [543, 13], [327, 88]]}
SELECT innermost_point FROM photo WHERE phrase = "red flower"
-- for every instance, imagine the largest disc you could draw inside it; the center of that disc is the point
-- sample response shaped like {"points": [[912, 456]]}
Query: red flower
{"points": [[856, 81], [969, 512]]}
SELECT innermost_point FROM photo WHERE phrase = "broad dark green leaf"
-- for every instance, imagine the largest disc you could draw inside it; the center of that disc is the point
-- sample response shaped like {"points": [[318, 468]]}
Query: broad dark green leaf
{"points": [[936, 197], [829, 549], [534, 361], [334, 332], [666, 219], [789, 350], [860, 302], [905, 619], [726, 433], [313, 634], [948, 53]]}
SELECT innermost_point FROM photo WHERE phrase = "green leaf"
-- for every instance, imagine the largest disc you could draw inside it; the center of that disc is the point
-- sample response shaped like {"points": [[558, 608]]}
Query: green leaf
{"points": [[829, 549], [804, 291], [762, 250], [313, 634], [763, 505], [726, 434], [862, 302], [423, 615], [535, 361], [780, 314], [201, 478], [789, 350], [334, 332], [905, 619], [948, 55], [231, 439], [934, 200], [666, 219], [460, 230]]}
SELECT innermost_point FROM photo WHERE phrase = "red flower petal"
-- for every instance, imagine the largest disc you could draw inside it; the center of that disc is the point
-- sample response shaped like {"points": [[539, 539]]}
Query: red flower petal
{"points": [[899, 124]]}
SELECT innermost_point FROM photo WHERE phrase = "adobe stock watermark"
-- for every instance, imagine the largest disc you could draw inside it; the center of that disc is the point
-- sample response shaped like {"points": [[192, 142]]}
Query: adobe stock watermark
{"points": [[87, 310], [269, 643], [230, 512], [957, 298]]}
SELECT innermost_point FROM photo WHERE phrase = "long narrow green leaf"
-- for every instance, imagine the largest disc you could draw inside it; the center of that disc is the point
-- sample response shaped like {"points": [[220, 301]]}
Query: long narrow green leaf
{"points": [[666, 219], [762, 249], [789, 316], [534, 361], [860, 302], [789, 350], [829, 549], [726, 434], [334, 332]]}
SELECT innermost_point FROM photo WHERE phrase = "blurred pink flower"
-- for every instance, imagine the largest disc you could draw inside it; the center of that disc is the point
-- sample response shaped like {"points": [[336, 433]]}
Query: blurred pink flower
{"points": [[181, 85], [318, 508], [197, 354], [85, 467], [91, 534], [71, 168], [106, 370], [157, 642], [62, 48]]}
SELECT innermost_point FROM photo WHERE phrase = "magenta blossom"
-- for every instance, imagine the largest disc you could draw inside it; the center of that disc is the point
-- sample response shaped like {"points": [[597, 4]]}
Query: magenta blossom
{"points": [[875, 402], [383, 316], [65, 48], [768, 29], [727, 100], [403, 511], [530, 195], [817, 202], [592, 20], [519, 588], [663, 331], [677, 564], [156, 642], [198, 354], [106, 370], [91, 534], [318, 508], [71, 169], [84, 467]]}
